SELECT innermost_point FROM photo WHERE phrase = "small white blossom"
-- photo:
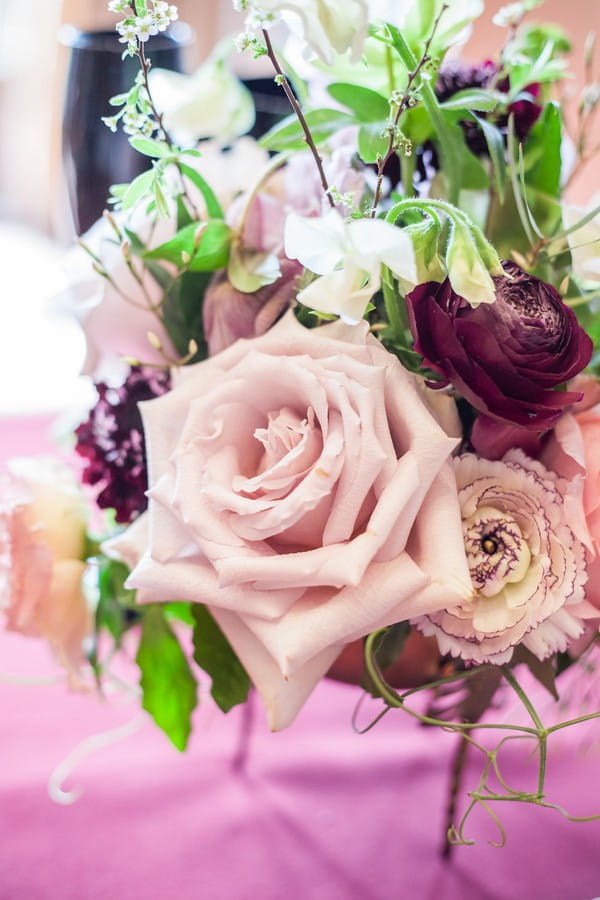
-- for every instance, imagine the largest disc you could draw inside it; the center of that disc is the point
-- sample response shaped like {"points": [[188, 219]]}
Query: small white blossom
{"points": [[111, 122], [128, 33], [509, 16], [145, 27], [116, 6]]}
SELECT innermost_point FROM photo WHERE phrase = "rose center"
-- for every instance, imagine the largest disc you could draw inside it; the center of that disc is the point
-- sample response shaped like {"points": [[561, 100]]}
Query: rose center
{"points": [[497, 552]]}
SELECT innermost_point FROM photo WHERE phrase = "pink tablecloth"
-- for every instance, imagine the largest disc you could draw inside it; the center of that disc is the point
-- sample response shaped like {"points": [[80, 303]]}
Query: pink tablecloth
{"points": [[314, 813]]}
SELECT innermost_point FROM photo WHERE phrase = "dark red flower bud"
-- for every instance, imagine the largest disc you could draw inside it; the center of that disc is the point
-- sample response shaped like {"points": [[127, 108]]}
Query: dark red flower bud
{"points": [[506, 357]]}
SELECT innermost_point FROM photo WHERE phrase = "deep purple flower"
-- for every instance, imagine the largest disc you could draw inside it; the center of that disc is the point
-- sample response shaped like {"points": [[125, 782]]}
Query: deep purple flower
{"points": [[506, 357], [458, 76], [112, 442]]}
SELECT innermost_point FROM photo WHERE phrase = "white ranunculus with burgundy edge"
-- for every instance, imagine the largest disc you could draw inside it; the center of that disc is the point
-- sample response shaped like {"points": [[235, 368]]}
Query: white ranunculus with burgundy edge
{"points": [[300, 487], [527, 565]]}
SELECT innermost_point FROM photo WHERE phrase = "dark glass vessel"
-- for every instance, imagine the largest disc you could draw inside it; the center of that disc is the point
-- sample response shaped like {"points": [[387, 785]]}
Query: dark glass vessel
{"points": [[93, 157]]}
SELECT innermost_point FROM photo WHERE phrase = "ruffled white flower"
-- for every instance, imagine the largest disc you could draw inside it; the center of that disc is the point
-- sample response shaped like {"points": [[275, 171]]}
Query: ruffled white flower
{"points": [[348, 257], [210, 103], [527, 566], [326, 26]]}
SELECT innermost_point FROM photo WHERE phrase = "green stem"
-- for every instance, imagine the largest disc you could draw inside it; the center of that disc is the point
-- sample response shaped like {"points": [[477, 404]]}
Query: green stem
{"points": [[452, 160], [541, 730], [408, 165], [392, 698], [392, 305]]}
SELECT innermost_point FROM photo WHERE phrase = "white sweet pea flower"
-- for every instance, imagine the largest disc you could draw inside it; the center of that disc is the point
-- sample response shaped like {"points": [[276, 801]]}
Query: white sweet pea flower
{"points": [[348, 257], [469, 276], [327, 26], [210, 103]]}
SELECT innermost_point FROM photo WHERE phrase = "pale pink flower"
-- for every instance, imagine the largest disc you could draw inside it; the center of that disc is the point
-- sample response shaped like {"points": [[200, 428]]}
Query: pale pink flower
{"points": [[527, 566], [300, 488], [229, 314], [573, 450], [42, 540]]}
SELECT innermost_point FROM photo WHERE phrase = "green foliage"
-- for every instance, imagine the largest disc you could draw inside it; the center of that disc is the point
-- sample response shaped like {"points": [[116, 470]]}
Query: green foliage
{"points": [[213, 207], [365, 104], [115, 610], [473, 99], [495, 144], [213, 653], [288, 134], [542, 152], [149, 147], [169, 689], [198, 247], [372, 141], [182, 312]]}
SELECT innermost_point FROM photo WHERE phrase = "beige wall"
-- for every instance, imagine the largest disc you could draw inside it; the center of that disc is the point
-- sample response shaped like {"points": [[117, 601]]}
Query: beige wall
{"points": [[31, 89]]}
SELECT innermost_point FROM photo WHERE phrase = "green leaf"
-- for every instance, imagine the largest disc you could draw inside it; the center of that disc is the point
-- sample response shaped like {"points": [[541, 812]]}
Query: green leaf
{"points": [[148, 147], [181, 312], [213, 653], [542, 152], [169, 689], [472, 99], [200, 246], [183, 214], [115, 610], [180, 611], [495, 143], [213, 207], [160, 199], [138, 188], [288, 134], [366, 104], [372, 142]]}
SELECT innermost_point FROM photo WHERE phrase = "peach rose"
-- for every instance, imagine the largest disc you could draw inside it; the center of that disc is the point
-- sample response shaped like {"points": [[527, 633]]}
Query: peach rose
{"points": [[301, 488], [573, 451], [42, 541]]}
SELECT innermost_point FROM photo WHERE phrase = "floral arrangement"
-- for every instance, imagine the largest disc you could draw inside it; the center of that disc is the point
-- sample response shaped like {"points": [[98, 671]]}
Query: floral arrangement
{"points": [[347, 382]]}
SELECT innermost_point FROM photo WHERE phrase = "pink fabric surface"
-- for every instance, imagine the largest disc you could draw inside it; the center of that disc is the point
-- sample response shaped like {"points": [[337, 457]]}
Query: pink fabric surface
{"points": [[316, 812]]}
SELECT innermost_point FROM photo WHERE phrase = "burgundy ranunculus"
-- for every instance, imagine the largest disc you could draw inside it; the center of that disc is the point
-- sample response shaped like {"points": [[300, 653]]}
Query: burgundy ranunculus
{"points": [[505, 357]]}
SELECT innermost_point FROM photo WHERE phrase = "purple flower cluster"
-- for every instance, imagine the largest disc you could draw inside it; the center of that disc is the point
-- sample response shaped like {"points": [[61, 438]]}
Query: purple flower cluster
{"points": [[112, 442], [458, 76]]}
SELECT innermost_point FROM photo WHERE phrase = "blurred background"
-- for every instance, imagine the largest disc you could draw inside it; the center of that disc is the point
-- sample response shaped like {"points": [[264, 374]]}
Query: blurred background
{"points": [[35, 221]]}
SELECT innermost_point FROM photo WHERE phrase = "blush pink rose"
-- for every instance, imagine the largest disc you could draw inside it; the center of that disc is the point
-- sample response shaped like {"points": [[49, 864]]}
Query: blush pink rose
{"points": [[300, 488], [42, 541], [573, 451]]}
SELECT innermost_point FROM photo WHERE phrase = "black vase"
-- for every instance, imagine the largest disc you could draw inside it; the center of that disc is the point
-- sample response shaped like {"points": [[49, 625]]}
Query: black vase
{"points": [[94, 158]]}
